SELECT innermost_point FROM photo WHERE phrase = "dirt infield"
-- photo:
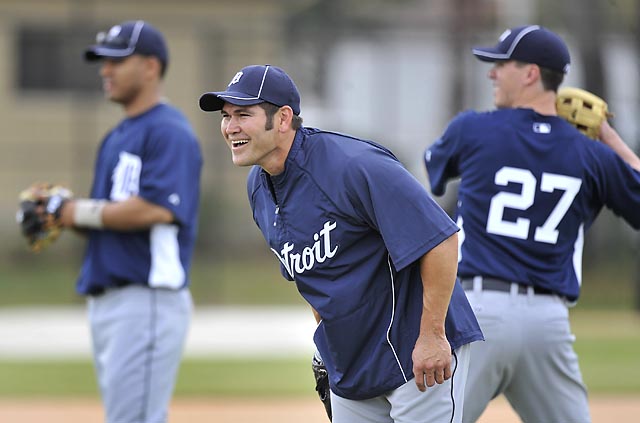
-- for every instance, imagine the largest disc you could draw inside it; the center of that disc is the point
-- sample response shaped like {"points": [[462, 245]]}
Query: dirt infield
{"points": [[307, 410]]}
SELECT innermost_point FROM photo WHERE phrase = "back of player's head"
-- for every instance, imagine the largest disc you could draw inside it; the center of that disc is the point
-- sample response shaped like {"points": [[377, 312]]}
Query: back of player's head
{"points": [[127, 38], [255, 84], [529, 44]]}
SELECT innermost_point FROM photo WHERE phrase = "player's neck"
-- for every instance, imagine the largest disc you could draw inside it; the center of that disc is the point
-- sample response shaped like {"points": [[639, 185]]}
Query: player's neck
{"points": [[543, 103], [144, 101]]}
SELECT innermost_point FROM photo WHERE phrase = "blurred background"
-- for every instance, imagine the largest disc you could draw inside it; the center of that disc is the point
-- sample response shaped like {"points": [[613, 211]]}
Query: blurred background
{"points": [[394, 71]]}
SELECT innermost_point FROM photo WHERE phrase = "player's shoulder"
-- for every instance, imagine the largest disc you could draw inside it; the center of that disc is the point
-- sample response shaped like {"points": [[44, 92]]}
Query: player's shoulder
{"points": [[332, 158], [167, 121], [594, 151], [168, 114], [581, 142], [483, 117], [475, 121], [339, 147]]}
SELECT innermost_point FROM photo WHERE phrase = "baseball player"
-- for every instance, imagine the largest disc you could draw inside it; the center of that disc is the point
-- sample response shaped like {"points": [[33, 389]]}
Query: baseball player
{"points": [[367, 247], [531, 186], [140, 222]]}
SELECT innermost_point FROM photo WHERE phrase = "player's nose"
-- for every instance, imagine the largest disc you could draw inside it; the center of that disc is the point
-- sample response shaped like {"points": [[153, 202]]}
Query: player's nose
{"points": [[105, 68], [231, 126]]}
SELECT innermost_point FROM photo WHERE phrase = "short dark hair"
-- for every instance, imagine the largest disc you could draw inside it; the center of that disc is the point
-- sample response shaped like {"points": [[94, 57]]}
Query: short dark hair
{"points": [[551, 79], [270, 109]]}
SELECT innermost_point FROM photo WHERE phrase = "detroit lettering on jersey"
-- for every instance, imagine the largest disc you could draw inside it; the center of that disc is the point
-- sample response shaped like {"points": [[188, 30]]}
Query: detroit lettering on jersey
{"points": [[321, 250]]}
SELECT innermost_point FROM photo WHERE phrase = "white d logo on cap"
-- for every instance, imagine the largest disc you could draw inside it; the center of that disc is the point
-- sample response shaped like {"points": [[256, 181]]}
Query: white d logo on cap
{"points": [[236, 78]]}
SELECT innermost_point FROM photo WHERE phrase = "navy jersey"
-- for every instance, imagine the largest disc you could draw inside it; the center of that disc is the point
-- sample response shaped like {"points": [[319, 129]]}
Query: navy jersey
{"points": [[349, 223], [157, 157], [531, 185]]}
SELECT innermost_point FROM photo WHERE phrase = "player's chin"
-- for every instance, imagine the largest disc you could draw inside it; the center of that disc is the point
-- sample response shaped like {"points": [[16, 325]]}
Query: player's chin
{"points": [[499, 102], [112, 96], [240, 160]]}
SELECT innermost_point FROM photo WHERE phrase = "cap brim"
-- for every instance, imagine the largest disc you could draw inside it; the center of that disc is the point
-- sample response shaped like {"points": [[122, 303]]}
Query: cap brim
{"points": [[211, 102], [98, 52], [489, 54]]}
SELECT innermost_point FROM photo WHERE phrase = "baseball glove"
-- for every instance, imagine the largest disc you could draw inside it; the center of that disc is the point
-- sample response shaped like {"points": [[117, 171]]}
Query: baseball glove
{"points": [[582, 109], [322, 383], [39, 213]]}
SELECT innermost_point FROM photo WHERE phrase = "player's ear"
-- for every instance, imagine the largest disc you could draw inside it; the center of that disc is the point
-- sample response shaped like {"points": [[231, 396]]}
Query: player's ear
{"points": [[153, 66], [533, 73], [284, 118]]}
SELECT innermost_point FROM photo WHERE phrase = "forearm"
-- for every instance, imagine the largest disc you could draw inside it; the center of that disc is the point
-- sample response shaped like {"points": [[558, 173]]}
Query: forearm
{"points": [[438, 269], [610, 137], [132, 214], [432, 352]]}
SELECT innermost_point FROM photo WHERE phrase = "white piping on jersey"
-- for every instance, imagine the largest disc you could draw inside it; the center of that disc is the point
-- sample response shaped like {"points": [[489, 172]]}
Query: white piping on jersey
{"points": [[393, 311], [264, 76], [461, 236], [577, 254], [512, 47]]}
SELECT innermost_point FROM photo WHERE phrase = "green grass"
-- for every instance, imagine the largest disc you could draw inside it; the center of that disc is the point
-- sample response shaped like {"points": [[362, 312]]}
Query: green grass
{"points": [[610, 366], [608, 345], [222, 377], [57, 378], [246, 377], [38, 282]]}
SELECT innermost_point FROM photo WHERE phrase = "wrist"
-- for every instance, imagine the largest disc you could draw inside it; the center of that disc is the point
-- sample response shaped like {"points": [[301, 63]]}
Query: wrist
{"points": [[87, 213]]}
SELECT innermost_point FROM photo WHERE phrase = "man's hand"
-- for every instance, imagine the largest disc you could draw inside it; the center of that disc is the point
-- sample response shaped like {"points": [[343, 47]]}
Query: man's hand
{"points": [[431, 361], [39, 213]]}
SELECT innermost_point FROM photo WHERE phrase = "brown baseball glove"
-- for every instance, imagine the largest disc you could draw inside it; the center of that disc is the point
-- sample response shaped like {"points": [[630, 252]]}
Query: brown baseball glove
{"points": [[582, 109], [39, 213]]}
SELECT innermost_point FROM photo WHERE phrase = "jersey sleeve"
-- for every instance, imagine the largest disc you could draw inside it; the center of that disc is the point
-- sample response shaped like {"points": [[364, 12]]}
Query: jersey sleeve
{"points": [[617, 183], [442, 157], [171, 168], [388, 198]]}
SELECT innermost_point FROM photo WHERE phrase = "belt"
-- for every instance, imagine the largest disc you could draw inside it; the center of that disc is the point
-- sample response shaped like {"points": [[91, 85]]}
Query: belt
{"points": [[97, 291], [493, 284]]}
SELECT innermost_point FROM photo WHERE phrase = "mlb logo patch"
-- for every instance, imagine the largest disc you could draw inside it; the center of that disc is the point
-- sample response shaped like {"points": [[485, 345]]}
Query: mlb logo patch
{"points": [[541, 128]]}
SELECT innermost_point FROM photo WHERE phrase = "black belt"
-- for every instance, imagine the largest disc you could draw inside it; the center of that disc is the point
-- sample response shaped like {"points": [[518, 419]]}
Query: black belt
{"points": [[493, 284], [96, 291]]}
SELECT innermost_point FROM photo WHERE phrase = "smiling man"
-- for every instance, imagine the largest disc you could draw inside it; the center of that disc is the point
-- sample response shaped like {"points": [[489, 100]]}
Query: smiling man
{"points": [[367, 247]]}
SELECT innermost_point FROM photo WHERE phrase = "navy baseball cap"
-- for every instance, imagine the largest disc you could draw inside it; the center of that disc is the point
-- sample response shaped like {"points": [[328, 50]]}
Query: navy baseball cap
{"points": [[528, 44], [253, 85], [127, 38]]}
